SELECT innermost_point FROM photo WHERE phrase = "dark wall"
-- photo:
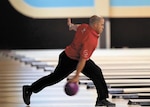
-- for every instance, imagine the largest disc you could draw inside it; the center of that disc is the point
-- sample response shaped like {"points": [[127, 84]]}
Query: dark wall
{"points": [[130, 32], [21, 32]]}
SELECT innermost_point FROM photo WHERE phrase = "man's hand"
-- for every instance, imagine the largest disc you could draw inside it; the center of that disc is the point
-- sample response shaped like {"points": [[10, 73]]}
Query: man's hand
{"points": [[74, 79], [69, 22]]}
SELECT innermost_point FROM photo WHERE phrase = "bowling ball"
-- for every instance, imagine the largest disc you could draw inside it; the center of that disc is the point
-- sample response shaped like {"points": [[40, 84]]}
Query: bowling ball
{"points": [[71, 88]]}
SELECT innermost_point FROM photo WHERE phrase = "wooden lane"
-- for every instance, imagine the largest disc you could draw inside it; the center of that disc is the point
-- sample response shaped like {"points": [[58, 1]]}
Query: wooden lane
{"points": [[112, 66], [108, 69], [98, 53], [142, 102], [123, 61], [82, 77], [120, 81], [115, 61]]}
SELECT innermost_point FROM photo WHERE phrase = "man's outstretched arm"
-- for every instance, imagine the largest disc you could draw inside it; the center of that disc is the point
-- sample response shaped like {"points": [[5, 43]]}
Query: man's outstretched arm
{"points": [[71, 25]]}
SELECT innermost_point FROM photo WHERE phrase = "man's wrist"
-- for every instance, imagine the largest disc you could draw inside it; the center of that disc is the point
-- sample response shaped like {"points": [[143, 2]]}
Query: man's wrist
{"points": [[71, 25]]}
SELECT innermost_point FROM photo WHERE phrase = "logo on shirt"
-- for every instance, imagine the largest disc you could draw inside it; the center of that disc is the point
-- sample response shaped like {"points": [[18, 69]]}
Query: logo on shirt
{"points": [[83, 30], [85, 53]]}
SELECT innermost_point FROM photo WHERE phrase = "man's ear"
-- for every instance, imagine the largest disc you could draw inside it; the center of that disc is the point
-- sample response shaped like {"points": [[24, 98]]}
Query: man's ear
{"points": [[95, 25]]}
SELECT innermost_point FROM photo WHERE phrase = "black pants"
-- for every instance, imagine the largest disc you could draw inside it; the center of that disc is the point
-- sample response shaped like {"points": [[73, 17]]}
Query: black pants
{"points": [[65, 67]]}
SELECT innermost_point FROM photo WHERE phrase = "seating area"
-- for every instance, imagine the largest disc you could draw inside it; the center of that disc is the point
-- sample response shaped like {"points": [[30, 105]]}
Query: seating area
{"points": [[126, 71]]}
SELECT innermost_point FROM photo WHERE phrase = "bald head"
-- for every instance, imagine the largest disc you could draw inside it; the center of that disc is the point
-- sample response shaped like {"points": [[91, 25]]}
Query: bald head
{"points": [[97, 23], [94, 19]]}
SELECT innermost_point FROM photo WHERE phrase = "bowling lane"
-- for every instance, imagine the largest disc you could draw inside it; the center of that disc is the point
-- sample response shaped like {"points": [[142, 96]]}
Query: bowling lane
{"points": [[12, 79]]}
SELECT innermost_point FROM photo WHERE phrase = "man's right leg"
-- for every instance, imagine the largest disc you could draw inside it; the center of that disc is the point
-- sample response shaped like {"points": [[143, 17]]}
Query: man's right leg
{"points": [[64, 68]]}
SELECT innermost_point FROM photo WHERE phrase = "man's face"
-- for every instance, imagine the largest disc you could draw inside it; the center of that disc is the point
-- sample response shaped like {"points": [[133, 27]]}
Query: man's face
{"points": [[100, 26]]}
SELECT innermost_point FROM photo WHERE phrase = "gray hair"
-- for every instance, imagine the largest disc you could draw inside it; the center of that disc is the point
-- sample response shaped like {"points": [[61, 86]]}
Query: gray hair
{"points": [[94, 19]]}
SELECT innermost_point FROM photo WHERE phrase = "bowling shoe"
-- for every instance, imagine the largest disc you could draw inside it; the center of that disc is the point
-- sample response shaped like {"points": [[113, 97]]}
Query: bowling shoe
{"points": [[27, 94], [104, 103]]}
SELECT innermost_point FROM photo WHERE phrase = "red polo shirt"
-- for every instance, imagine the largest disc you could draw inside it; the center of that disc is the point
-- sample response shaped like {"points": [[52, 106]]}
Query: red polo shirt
{"points": [[83, 44]]}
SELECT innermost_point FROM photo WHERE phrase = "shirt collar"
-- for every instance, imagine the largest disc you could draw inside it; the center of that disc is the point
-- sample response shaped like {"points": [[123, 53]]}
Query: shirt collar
{"points": [[93, 32]]}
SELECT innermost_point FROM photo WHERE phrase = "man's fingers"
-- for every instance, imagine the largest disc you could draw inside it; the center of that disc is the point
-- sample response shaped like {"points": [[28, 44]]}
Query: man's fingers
{"points": [[69, 21]]}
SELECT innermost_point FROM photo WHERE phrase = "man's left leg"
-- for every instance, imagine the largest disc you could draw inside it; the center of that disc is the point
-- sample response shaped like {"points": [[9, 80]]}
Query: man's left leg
{"points": [[94, 72]]}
